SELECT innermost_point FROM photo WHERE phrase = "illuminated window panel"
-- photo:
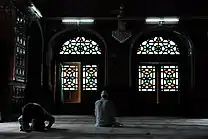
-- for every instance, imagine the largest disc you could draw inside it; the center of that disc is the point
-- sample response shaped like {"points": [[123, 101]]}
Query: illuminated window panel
{"points": [[18, 94], [20, 20], [21, 25], [146, 78], [80, 45], [20, 49], [21, 41], [69, 77], [169, 78], [20, 74], [158, 46], [90, 77]]}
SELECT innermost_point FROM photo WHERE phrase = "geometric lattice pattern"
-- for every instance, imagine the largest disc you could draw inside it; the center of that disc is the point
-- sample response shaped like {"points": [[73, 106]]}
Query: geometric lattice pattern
{"points": [[80, 45], [70, 77], [90, 77], [146, 78], [158, 45], [20, 55], [169, 78]]}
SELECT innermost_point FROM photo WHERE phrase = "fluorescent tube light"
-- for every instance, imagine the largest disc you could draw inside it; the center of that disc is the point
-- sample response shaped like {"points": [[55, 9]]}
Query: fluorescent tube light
{"points": [[164, 20], [78, 21]]}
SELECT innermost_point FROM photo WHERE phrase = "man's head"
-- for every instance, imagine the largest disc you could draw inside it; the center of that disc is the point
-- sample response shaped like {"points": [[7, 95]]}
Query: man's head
{"points": [[104, 94], [38, 124]]}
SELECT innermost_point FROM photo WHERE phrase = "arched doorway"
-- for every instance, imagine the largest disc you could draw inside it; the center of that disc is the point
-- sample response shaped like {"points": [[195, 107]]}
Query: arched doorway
{"points": [[80, 71], [161, 73]]}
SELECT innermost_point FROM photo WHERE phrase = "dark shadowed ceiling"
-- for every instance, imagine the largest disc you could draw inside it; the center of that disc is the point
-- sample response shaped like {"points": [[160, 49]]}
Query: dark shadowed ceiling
{"points": [[100, 8]]}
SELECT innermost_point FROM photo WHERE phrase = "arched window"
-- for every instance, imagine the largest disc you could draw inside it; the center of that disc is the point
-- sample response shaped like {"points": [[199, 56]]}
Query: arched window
{"points": [[158, 45], [158, 75], [79, 75], [80, 46]]}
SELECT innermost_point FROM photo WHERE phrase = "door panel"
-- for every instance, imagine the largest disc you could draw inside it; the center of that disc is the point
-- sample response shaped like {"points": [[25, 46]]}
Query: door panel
{"points": [[147, 84], [169, 76], [158, 86], [78, 87], [147, 78], [70, 82], [169, 84], [89, 80]]}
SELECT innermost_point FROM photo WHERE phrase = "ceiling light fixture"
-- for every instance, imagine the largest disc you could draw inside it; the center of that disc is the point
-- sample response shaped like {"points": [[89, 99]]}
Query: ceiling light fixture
{"points": [[78, 20], [163, 20]]}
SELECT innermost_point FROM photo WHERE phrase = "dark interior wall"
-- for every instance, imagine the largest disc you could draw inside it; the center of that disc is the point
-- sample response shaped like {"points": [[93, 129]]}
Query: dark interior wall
{"points": [[118, 71], [198, 33], [119, 86], [118, 65], [6, 57], [118, 54], [7, 44], [94, 8]]}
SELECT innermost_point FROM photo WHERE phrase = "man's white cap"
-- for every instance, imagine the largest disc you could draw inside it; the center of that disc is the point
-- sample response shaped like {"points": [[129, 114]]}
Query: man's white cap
{"points": [[104, 93]]}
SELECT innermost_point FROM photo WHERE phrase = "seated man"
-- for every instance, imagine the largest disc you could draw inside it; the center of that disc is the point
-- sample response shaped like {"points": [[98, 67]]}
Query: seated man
{"points": [[105, 112], [36, 115]]}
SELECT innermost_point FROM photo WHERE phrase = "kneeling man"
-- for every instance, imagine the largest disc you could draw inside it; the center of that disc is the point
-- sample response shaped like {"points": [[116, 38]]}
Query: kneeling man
{"points": [[105, 112], [36, 115]]}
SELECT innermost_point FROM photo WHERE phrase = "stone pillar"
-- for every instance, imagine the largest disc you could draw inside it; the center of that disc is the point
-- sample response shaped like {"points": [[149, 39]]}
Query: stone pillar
{"points": [[38, 88], [34, 78]]}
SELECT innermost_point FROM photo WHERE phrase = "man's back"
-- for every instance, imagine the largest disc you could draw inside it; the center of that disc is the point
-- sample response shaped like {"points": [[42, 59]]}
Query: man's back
{"points": [[32, 110], [104, 112], [34, 113]]}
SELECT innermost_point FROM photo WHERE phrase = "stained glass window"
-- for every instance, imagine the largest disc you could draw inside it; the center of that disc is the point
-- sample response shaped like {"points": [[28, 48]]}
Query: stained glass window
{"points": [[80, 45], [70, 77], [20, 56], [89, 77], [158, 45], [169, 78], [146, 78]]}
